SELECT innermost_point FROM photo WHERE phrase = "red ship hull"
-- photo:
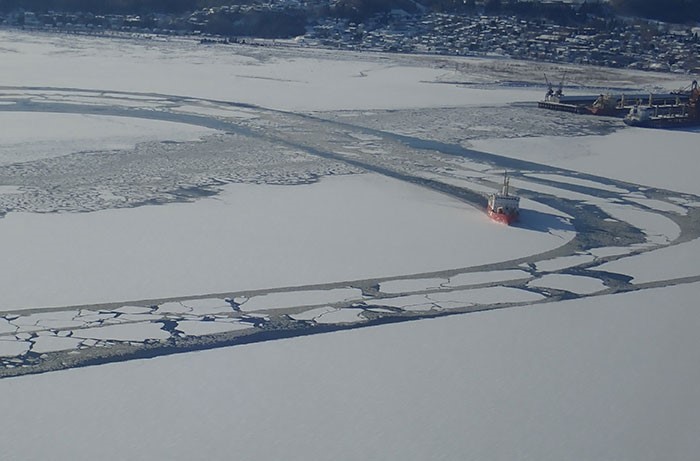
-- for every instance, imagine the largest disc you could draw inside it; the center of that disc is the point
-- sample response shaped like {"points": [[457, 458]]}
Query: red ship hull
{"points": [[502, 217]]}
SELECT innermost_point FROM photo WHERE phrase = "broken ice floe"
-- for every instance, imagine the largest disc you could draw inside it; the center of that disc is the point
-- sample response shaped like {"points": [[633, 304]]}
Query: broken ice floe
{"points": [[573, 283], [586, 183], [286, 300], [477, 278], [200, 328], [564, 262], [331, 315], [458, 299], [128, 332], [48, 343], [411, 285]]}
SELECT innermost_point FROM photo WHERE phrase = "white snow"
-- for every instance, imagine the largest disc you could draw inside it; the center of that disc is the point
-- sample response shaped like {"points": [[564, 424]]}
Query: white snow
{"points": [[295, 79], [411, 303], [584, 379], [46, 343], [380, 310], [605, 377], [133, 310], [11, 347], [527, 205], [312, 314], [31, 136], [658, 228], [458, 298], [555, 191], [7, 327], [577, 181], [250, 237], [199, 328], [286, 300], [217, 111], [46, 320], [476, 278], [660, 205], [410, 285], [174, 307], [87, 315], [127, 332], [488, 295], [341, 316], [676, 261], [10, 190], [563, 262], [603, 252], [138, 318], [208, 306], [651, 157]]}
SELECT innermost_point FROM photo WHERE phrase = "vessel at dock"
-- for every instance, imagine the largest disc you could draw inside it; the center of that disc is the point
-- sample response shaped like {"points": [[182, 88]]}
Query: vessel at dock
{"points": [[678, 115], [504, 207], [608, 104]]}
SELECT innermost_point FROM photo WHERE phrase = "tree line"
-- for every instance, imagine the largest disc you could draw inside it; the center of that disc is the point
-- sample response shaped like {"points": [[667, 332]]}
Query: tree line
{"points": [[110, 6], [677, 11], [680, 11]]}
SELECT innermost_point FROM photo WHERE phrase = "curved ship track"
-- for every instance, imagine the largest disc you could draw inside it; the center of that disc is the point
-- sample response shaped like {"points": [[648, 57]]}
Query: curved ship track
{"points": [[594, 228]]}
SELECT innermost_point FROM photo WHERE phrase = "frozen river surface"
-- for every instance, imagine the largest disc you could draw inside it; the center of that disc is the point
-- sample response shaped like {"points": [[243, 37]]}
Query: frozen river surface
{"points": [[144, 214]]}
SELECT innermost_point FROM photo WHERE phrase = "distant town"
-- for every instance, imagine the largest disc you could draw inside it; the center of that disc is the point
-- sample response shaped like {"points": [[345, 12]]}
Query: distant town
{"points": [[560, 32]]}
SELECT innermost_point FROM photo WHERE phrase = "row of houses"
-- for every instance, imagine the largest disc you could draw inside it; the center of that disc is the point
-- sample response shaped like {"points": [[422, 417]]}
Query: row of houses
{"points": [[634, 44], [606, 42]]}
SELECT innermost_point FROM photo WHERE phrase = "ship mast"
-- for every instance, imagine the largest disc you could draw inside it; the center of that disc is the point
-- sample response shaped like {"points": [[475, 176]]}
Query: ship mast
{"points": [[506, 182]]}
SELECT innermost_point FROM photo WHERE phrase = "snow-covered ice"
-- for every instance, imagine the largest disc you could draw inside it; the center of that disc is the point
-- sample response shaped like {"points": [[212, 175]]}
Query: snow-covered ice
{"points": [[10, 190], [488, 295], [127, 332], [297, 79], [458, 299], [312, 314], [573, 283], [133, 310], [198, 328], [563, 262], [651, 157], [340, 316], [175, 307], [658, 228], [476, 278], [208, 306], [676, 261], [286, 300], [7, 327], [29, 135], [409, 285], [410, 303], [47, 343], [660, 205], [249, 237], [604, 377], [578, 181], [585, 379], [603, 252], [9, 347]]}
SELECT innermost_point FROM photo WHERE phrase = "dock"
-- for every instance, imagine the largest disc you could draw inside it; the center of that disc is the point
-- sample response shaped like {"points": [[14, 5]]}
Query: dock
{"points": [[612, 105]]}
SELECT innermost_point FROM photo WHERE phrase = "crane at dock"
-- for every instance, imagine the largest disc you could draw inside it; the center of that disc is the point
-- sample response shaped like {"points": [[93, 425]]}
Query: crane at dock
{"points": [[552, 95]]}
